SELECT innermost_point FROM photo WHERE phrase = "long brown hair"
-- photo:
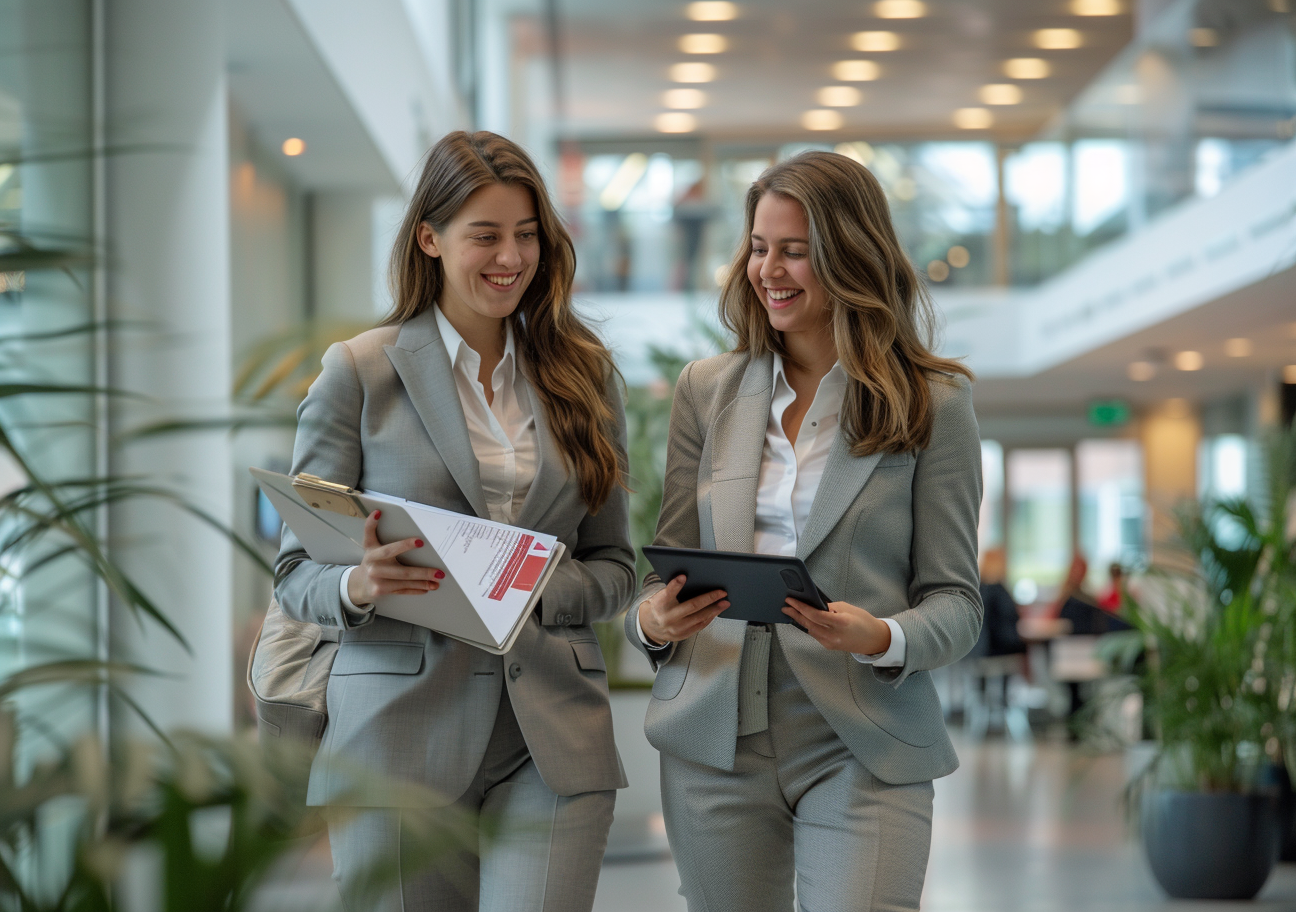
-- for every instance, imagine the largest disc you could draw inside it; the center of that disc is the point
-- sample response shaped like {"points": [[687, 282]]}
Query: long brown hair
{"points": [[883, 322], [566, 362]]}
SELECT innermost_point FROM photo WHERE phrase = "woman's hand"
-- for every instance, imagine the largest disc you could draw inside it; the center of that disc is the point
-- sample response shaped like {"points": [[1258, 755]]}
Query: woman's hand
{"points": [[381, 574], [843, 627], [665, 620]]}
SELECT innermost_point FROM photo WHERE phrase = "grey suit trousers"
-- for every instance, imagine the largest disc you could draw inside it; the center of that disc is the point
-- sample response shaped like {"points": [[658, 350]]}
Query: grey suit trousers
{"points": [[798, 808], [544, 855]]}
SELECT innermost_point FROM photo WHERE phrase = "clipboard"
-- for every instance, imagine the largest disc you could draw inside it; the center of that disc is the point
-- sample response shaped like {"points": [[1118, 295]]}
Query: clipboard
{"points": [[495, 573], [757, 584]]}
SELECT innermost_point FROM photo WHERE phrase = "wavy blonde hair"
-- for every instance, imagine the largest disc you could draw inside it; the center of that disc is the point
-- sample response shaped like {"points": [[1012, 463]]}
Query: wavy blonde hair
{"points": [[564, 359], [883, 321]]}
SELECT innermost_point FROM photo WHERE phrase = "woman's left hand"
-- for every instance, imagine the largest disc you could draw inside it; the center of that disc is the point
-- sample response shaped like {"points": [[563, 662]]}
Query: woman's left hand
{"points": [[843, 627]]}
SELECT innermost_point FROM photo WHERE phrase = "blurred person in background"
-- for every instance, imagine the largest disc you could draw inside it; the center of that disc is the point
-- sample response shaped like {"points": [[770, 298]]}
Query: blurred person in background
{"points": [[1111, 599], [999, 634], [803, 759], [484, 394]]}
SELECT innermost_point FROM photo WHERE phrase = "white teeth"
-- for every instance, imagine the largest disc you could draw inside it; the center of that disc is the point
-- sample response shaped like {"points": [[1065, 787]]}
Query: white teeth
{"points": [[782, 294], [502, 282]]}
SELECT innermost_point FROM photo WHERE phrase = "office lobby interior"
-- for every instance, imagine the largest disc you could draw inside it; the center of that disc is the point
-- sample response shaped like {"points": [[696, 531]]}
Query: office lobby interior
{"points": [[197, 199]]}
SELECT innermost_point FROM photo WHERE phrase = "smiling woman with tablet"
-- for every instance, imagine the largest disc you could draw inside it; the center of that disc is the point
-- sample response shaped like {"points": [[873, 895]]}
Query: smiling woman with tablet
{"points": [[803, 758]]}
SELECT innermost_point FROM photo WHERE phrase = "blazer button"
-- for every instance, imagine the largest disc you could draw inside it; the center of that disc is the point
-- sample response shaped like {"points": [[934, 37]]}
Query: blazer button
{"points": [[515, 671]]}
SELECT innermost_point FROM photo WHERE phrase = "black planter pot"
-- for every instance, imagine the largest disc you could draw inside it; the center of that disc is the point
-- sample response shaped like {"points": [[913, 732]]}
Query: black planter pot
{"points": [[1211, 845]]}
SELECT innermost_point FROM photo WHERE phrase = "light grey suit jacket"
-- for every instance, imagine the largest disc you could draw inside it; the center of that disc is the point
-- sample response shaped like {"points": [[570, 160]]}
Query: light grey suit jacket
{"points": [[403, 701], [895, 534]]}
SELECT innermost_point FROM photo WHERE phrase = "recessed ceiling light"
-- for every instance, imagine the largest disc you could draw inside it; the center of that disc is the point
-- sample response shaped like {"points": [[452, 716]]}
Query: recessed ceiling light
{"points": [[703, 44], [1000, 93], [692, 72], [973, 118], [1141, 371], [1027, 68], [839, 96], [821, 119], [675, 122], [683, 98], [719, 11], [293, 147], [1096, 7], [856, 70], [1203, 37], [899, 9], [1057, 39], [1238, 348], [875, 42], [1189, 361]]}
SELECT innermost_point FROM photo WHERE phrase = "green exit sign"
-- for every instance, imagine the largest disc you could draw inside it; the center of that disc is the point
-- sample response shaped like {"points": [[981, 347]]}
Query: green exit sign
{"points": [[1109, 413]]}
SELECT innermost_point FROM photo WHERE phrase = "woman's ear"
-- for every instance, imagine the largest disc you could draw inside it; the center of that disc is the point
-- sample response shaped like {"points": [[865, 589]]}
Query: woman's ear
{"points": [[428, 240]]}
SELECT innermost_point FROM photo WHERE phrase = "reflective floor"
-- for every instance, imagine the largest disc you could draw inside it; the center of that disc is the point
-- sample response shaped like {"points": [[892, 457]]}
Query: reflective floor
{"points": [[1030, 827]]}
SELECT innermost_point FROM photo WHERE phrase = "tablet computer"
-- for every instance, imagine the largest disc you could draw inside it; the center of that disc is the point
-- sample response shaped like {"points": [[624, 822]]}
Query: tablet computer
{"points": [[757, 584]]}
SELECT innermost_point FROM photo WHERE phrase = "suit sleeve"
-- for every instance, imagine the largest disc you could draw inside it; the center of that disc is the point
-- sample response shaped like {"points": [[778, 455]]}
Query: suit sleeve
{"points": [[944, 618], [594, 583], [677, 524], [327, 445]]}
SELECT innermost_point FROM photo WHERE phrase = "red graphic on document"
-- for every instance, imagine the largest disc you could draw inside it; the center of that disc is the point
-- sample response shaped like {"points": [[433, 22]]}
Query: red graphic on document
{"points": [[523, 569]]}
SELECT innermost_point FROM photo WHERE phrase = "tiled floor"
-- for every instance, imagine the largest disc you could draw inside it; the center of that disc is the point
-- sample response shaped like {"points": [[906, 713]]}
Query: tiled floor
{"points": [[1035, 828]]}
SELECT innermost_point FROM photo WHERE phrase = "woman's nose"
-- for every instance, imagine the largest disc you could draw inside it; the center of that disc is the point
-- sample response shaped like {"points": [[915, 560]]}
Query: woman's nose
{"points": [[771, 268], [509, 255]]}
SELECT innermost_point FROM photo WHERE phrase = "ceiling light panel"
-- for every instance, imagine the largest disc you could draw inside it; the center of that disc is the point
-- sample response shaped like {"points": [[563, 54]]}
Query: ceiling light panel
{"points": [[839, 96], [821, 119], [684, 98], [973, 119], [692, 72], [856, 70], [675, 122], [875, 42], [1057, 39], [1000, 94], [1096, 7], [1027, 68], [712, 11], [899, 9], [703, 44]]}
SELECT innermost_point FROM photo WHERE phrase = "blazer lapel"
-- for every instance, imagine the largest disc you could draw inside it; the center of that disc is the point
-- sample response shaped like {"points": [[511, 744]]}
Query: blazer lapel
{"points": [[843, 477], [551, 468], [737, 443], [425, 370]]}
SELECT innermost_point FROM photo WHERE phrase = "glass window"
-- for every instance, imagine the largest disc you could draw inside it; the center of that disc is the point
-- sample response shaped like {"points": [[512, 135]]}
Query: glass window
{"points": [[1110, 500], [1039, 524], [990, 530]]}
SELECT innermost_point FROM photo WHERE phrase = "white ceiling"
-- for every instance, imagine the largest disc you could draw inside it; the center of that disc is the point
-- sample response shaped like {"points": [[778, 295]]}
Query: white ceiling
{"points": [[616, 60]]}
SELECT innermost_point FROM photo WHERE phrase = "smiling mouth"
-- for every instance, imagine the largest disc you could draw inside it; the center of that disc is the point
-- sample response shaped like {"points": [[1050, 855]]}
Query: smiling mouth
{"points": [[782, 296], [501, 281]]}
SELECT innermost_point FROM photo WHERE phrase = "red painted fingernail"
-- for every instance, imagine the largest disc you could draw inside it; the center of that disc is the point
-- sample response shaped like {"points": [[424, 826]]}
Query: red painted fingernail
{"points": [[440, 574], [377, 513], [418, 543]]}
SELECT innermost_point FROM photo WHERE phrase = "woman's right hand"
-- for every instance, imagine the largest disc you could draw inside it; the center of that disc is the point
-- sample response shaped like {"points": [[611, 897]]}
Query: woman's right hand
{"points": [[665, 620], [381, 574]]}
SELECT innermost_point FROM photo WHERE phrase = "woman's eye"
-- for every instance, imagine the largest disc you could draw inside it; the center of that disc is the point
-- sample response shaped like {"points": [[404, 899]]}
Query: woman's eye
{"points": [[758, 251], [527, 235], [485, 238], [795, 254]]}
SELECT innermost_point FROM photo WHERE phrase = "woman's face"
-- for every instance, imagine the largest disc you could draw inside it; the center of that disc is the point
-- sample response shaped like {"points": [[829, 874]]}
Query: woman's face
{"points": [[779, 267], [489, 253]]}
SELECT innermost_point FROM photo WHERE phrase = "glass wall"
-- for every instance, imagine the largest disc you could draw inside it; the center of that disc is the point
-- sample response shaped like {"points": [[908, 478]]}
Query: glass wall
{"points": [[1109, 497], [1039, 521]]}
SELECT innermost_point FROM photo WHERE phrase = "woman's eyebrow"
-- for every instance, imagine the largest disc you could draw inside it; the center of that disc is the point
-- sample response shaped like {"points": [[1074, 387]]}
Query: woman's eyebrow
{"points": [[497, 224], [787, 240]]}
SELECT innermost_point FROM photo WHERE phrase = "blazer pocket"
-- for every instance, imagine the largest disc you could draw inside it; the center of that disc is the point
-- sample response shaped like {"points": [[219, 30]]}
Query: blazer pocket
{"points": [[378, 658], [589, 656], [670, 677]]}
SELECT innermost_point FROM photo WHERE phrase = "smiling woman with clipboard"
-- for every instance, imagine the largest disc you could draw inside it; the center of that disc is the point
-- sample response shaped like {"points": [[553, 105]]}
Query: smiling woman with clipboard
{"points": [[830, 434], [482, 394]]}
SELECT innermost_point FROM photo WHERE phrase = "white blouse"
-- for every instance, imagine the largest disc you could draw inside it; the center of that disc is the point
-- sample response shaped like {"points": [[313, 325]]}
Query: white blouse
{"points": [[502, 433]]}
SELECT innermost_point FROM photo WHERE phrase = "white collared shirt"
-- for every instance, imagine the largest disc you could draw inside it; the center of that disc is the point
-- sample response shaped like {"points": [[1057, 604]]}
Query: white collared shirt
{"points": [[790, 474], [503, 433]]}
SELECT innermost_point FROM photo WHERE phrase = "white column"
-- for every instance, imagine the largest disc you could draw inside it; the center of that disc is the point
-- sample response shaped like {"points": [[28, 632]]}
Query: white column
{"points": [[168, 227]]}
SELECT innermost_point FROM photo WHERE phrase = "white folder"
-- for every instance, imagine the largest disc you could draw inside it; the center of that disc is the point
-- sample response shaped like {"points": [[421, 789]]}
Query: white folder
{"points": [[494, 573]]}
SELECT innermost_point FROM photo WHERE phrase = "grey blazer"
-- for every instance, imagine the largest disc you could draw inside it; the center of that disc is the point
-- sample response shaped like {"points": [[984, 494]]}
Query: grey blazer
{"points": [[895, 534], [404, 702]]}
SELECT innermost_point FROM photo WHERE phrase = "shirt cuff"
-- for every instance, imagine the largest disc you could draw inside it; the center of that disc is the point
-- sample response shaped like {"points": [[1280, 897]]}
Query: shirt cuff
{"points": [[643, 637], [894, 657], [355, 611]]}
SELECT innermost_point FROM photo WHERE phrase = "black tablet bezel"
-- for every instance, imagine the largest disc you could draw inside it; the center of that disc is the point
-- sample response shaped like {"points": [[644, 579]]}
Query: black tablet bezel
{"points": [[711, 570]]}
